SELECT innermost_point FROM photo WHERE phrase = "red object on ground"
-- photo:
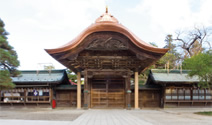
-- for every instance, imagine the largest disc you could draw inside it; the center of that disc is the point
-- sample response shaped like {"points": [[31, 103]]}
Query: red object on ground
{"points": [[72, 83], [53, 103]]}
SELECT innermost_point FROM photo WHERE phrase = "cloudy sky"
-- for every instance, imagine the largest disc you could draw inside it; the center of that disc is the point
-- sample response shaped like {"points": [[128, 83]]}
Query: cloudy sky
{"points": [[35, 25]]}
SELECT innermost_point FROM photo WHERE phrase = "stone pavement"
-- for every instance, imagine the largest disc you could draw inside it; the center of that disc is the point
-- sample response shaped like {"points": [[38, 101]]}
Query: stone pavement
{"points": [[173, 116], [109, 117]]}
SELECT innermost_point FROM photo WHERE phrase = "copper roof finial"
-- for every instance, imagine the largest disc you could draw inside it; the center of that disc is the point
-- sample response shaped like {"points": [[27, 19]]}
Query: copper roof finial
{"points": [[106, 17], [106, 9]]}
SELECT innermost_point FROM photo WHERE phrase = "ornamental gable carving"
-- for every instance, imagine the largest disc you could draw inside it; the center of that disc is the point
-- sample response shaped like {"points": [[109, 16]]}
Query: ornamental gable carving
{"points": [[107, 44]]}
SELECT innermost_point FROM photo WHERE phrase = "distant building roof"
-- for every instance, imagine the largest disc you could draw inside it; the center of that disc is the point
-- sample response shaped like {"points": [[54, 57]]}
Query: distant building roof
{"points": [[174, 76], [41, 76]]}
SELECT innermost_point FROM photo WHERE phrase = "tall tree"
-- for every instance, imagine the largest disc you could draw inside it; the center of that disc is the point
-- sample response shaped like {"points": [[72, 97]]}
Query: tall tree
{"points": [[8, 60], [195, 49], [200, 65], [188, 39], [172, 56], [169, 44]]}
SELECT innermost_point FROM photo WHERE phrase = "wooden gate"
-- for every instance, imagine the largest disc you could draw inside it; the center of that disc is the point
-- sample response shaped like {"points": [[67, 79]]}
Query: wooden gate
{"points": [[149, 98], [107, 93], [66, 98]]}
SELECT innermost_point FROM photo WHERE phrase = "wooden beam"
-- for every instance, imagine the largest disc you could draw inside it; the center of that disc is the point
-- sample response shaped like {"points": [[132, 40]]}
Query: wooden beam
{"points": [[108, 62], [136, 90], [70, 55], [78, 90], [108, 57]]}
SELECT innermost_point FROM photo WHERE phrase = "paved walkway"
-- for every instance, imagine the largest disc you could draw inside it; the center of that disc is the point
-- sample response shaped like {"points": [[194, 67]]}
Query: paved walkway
{"points": [[173, 116], [109, 117]]}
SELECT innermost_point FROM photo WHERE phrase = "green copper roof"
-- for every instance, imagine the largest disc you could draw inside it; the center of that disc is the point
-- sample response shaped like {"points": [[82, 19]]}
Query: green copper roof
{"points": [[162, 75], [40, 76]]}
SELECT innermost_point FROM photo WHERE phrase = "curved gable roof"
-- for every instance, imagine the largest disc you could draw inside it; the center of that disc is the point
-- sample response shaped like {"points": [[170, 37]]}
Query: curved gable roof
{"points": [[107, 22]]}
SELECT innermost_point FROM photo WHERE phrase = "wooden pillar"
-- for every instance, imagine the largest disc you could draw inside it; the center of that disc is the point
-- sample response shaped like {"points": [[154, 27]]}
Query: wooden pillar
{"points": [[86, 91], [0, 98], [163, 96], [25, 96], [136, 91], [51, 92], [78, 90], [128, 92], [89, 92]]}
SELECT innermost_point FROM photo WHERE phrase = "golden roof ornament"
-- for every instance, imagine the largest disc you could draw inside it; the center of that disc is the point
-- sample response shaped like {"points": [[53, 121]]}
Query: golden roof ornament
{"points": [[106, 17], [106, 9]]}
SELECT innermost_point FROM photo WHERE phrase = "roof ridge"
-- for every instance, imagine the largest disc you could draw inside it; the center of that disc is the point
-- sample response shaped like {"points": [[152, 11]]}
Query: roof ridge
{"points": [[41, 70], [170, 71]]}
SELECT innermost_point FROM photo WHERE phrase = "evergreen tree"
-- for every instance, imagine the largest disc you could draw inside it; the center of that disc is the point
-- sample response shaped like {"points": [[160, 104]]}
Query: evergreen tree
{"points": [[172, 56], [8, 60], [169, 44]]}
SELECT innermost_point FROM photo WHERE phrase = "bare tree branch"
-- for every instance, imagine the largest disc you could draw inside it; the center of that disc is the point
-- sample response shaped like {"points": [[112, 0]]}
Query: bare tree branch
{"points": [[187, 39]]}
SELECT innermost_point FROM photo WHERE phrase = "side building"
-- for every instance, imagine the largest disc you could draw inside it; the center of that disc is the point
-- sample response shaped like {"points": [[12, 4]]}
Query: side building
{"points": [[178, 89], [34, 87]]}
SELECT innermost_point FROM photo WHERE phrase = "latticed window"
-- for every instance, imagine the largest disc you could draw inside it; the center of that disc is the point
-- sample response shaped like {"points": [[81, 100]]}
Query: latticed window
{"points": [[181, 94], [187, 94], [38, 95], [174, 94], [208, 94], [168, 93], [195, 94], [13, 95], [201, 94]]}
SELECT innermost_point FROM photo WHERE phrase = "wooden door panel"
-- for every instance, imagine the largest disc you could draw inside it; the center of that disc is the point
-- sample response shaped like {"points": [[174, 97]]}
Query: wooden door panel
{"points": [[149, 98], [107, 93], [63, 98]]}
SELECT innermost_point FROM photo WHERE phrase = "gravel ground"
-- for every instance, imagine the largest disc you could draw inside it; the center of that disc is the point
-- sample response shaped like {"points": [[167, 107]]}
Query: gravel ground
{"points": [[59, 114], [174, 116]]}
